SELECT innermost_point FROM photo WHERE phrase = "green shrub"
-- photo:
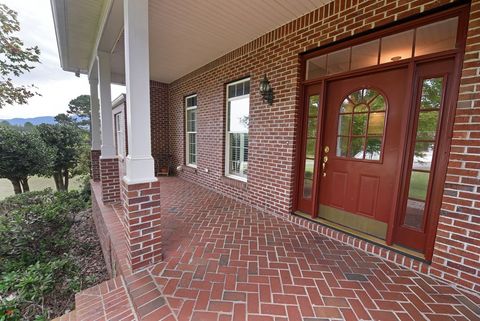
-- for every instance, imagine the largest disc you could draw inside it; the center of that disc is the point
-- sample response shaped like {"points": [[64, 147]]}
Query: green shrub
{"points": [[29, 198]]}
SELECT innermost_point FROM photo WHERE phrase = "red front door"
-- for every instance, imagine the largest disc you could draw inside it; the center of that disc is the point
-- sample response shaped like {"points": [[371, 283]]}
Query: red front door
{"points": [[362, 144]]}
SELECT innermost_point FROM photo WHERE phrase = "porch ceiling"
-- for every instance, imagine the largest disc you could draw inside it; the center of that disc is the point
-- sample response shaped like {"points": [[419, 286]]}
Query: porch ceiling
{"points": [[184, 35]]}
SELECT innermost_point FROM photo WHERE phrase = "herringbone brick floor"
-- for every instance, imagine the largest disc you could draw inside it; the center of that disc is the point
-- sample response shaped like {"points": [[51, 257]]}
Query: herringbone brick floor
{"points": [[224, 260]]}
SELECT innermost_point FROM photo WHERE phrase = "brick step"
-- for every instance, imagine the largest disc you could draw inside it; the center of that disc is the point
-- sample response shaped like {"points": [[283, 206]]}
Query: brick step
{"points": [[70, 316], [106, 301]]}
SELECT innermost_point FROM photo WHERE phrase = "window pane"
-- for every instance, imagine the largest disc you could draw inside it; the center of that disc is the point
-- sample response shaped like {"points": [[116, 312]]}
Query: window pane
{"points": [[307, 188], [359, 124], [312, 127], [192, 148], [360, 108], [238, 162], [311, 148], [377, 104], [418, 185], [313, 106], [239, 89], [231, 91], [431, 93], [238, 115], [316, 67], [191, 120], [414, 213], [338, 61], [422, 159], [342, 146], [344, 125], [427, 125], [436, 37], [356, 147], [347, 106], [365, 55], [373, 150], [376, 123], [397, 47], [309, 163]]}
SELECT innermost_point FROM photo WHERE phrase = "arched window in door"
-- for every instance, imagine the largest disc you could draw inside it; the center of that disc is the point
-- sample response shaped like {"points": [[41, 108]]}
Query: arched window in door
{"points": [[361, 125]]}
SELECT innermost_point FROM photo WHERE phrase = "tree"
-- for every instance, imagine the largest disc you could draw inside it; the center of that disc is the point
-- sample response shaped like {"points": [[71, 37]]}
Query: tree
{"points": [[66, 142], [15, 60], [78, 112], [22, 154]]}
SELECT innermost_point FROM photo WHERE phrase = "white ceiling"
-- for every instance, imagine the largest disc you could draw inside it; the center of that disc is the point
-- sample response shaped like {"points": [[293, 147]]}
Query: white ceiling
{"points": [[187, 34], [184, 34]]}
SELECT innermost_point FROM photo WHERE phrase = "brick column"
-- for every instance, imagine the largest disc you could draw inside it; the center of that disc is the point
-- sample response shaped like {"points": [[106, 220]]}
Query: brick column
{"points": [[110, 180], [95, 165], [141, 205]]}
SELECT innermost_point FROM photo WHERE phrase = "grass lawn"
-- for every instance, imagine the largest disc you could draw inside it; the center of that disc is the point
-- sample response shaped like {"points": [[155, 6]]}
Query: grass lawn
{"points": [[36, 184]]}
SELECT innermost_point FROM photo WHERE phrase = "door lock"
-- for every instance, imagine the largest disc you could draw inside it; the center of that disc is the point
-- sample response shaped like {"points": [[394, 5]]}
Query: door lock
{"points": [[326, 149]]}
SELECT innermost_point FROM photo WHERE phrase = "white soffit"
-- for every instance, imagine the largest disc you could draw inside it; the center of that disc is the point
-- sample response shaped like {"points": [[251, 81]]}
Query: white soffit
{"points": [[76, 26], [187, 34]]}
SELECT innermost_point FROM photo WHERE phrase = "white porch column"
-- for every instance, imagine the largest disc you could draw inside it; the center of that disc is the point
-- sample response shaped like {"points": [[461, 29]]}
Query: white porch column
{"points": [[95, 129], [95, 115], [140, 188], [104, 76], [139, 162]]}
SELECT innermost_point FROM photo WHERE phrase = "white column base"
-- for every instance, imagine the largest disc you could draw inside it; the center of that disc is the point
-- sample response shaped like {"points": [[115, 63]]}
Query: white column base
{"points": [[139, 170]]}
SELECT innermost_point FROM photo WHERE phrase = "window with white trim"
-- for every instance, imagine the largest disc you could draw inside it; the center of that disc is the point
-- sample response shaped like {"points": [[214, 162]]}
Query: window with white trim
{"points": [[238, 105], [119, 134], [191, 130]]}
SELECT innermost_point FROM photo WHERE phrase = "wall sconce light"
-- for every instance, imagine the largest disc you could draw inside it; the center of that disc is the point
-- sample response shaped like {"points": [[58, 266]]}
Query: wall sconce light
{"points": [[266, 90]]}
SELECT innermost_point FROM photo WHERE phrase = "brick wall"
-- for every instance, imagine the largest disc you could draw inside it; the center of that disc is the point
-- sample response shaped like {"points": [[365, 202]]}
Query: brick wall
{"points": [[159, 123], [110, 180], [95, 165], [457, 247], [272, 130]]}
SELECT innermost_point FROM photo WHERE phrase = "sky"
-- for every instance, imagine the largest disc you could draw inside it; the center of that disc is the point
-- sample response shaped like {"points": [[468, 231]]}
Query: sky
{"points": [[57, 87]]}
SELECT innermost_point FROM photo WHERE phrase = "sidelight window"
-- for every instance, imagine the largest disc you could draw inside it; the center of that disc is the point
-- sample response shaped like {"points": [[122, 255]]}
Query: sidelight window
{"points": [[191, 130], [361, 124]]}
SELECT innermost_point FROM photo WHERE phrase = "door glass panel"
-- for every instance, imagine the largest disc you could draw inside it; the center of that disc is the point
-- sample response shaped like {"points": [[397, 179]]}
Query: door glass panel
{"points": [[431, 93], [435, 37], [422, 158], [365, 55], [376, 123], [312, 127], [359, 124], [311, 148], [373, 149], [309, 163], [307, 188], [397, 47], [414, 213], [356, 148], [347, 106], [344, 125], [342, 146], [377, 104], [313, 106], [418, 185], [338, 61], [427, 125]]}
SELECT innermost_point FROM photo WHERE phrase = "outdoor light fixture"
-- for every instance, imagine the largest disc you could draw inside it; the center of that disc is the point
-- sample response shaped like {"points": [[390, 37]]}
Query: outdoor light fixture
{"points": [[266, 90]]}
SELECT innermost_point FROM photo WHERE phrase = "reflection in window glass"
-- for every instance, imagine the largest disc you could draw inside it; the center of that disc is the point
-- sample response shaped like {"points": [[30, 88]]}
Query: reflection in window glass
{"points": [[431, 93], [338, 61], [312, 121], [436, 37], [316, 67], [312, 127], [359, 124], [311, 148], [357, 147], [313, 106], [309, 163], [365, 55], [423, 154], [418, 185], [191, 130], [427, 125], [373, 148], [307, 188], [344, 125], [342, 146], [414, 213], [376, 123], [397, 47]]}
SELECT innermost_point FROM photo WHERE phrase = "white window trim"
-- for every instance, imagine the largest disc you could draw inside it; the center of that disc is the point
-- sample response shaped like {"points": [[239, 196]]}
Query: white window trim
{"points": [[227, 136], [187, 141], [120, 135]]}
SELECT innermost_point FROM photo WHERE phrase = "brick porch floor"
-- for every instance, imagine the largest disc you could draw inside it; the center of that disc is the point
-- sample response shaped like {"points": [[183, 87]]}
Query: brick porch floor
{"points": [[224, 260]]}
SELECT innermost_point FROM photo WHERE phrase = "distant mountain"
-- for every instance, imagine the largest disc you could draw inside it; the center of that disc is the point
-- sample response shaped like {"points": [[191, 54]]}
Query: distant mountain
{"points": [[34, 120]]}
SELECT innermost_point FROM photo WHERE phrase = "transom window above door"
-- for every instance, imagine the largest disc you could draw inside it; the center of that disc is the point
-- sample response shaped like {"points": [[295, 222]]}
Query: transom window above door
{"points": [[361, 125]]}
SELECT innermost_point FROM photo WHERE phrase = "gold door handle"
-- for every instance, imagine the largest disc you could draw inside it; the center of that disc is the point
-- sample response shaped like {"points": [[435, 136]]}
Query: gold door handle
{"points": [[325, 161]]}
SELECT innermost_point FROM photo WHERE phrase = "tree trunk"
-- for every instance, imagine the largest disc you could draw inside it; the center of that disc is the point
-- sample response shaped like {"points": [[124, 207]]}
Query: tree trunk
{"points": [[57, 177], [65, 175], [17, 188], [25, 186]]}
